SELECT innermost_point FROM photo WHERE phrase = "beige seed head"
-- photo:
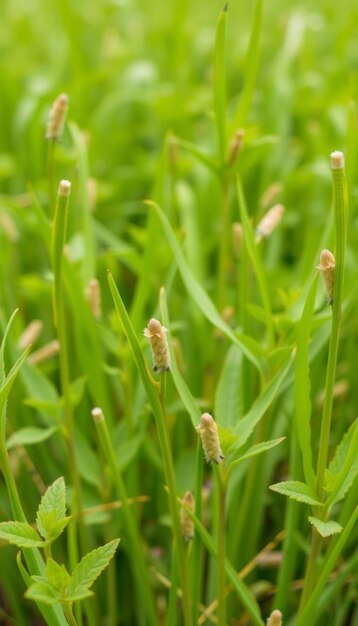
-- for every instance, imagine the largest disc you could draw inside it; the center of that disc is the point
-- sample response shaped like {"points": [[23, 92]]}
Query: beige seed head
{"points": [[57, 116], [269, 222], [93, 295], [45, 353], [97, 415], [187, 524], [156, 333], [237, 238], [271, 194], [327, 266], [64, 188], [208, 431], [275, 618], [337, 160], [235, 146], [31, 334]]}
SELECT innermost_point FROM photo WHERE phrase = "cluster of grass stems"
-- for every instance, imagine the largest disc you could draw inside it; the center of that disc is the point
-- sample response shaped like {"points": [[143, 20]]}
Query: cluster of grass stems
{"points": [[87, 406]]}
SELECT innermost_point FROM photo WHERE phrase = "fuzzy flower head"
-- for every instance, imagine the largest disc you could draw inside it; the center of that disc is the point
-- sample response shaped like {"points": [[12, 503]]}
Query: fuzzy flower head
{"points": [[156, 333], [208, 432], [269, 222], [186, 523], [57, 116], [327, 266], [275, 618]]}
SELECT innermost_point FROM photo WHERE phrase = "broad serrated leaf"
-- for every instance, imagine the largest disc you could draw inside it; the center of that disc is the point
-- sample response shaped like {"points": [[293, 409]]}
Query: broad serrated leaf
{"points": [[29, 436], [20, 534], [325, 529], [80, 594], [52, 507], [297, 491], [43, 592], [56, 529], [91, 566], [57, 575]]}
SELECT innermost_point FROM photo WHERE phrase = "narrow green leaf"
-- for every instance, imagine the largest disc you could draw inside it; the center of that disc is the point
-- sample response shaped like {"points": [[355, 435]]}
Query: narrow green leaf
{"points": [[90, 567], [325, 529], [344, 465], [243, 592], [253, 252], [52, 507], [198, 294], [246, 425], [202, 157], [180, 384], [298, 491], [29, 435], [23, 571], [251, 69], [43, 592], [259, 448], [7, 385], [88, 261], [20, 534], [3, 345], [228, 400], [219, 83], [303, 385]]}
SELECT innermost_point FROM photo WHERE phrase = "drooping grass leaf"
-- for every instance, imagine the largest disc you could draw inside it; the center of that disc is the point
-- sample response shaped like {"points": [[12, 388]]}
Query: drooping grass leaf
{"points": [[199, 295], [303, 385]]}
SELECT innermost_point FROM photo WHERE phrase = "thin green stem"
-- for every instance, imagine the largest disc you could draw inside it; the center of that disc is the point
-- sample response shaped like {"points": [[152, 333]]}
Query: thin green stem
{"points": [[221, 542], [340, 209], [140, 568], [196, 562], [223, 244], [69, 614]]}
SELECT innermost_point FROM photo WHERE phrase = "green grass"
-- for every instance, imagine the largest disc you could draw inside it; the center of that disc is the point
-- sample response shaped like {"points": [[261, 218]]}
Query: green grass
{"points": [[157, 93]]}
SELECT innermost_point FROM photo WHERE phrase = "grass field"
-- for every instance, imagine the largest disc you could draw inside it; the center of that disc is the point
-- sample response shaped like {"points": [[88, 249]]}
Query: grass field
{"points": [[206, 157]]}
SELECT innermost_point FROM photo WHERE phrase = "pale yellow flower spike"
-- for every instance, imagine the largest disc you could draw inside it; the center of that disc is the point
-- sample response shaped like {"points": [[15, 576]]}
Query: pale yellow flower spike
{"points": [[275, 618], [156, 333], [208, 431], [57, 116], [327, 266], [187, 524]]}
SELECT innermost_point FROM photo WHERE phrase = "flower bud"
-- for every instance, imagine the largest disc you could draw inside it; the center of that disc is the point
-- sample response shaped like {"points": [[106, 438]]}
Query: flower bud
{"points": [[187, 524], [93, 295], [237, 237], [337, 160], [156, 333], [57, 116], [269, 222], [235, 146], [275, 618], [208, 431], [327, 266]]}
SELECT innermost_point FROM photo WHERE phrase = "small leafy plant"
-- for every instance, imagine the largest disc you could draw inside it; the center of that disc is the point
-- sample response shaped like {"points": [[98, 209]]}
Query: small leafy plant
{"points": [[56, 584]]}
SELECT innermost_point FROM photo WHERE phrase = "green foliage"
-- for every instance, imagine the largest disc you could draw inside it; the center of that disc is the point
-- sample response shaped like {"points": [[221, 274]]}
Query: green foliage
{"points": [[298, 491], [158, 94]]}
